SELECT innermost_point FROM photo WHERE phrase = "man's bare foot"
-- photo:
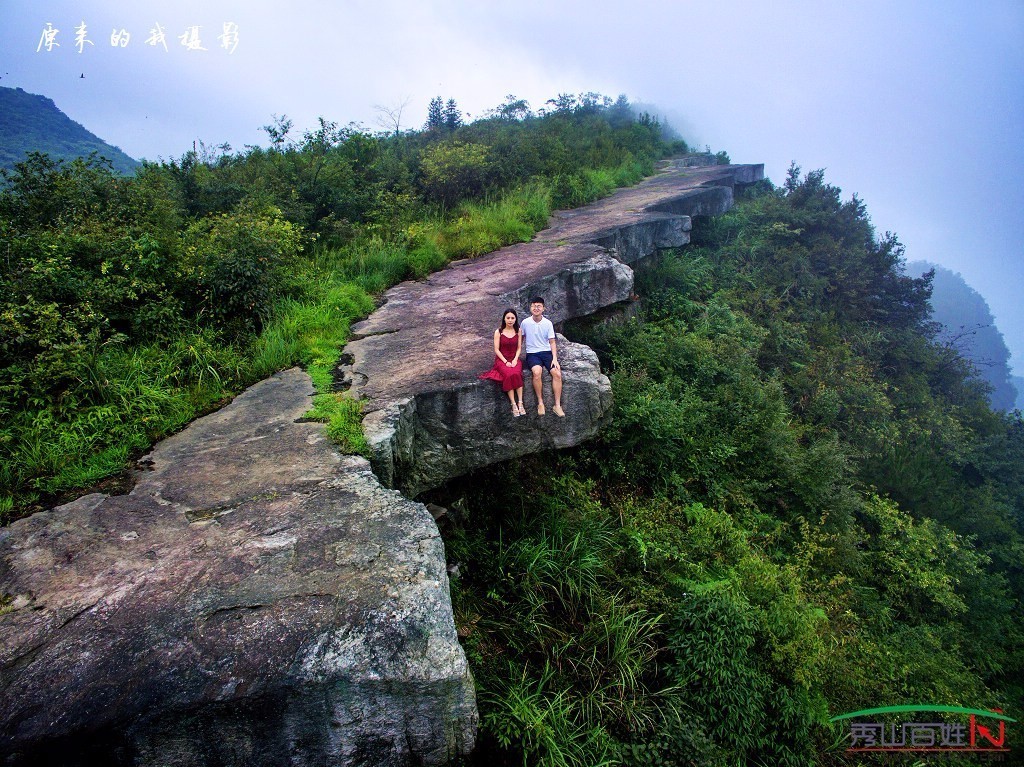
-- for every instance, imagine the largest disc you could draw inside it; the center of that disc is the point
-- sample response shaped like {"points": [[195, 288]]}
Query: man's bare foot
{"points": [[540, 409], [557, 410]]}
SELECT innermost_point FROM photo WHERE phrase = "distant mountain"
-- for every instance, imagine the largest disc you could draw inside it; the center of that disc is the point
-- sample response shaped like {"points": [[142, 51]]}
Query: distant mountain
{"points": [[969, 324], [31, 123]]}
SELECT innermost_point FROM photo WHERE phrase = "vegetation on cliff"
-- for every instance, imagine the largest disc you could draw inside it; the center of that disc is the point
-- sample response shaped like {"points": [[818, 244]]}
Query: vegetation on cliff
{"points": [[128, 306], [804, 507]]}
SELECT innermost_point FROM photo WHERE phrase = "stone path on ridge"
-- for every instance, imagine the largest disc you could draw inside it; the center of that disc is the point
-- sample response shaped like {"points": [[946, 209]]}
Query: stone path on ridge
{"points": [[431, 338]]}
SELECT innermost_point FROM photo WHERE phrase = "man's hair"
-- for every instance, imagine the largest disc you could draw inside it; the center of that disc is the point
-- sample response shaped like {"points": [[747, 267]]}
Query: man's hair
{"points": [[537, 300]]}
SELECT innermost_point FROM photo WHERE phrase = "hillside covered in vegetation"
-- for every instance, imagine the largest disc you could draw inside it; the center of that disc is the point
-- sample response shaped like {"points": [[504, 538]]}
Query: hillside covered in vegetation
{"points": [[32, 123], [804, 505], [968, 326]]}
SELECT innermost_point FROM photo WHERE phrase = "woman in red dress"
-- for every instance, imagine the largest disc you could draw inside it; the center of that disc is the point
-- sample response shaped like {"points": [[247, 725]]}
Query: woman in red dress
{"points": [[507, 369]]}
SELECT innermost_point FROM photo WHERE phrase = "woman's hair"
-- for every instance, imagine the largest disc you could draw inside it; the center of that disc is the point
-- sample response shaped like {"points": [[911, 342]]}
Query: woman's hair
{"points": [[501, 325]]}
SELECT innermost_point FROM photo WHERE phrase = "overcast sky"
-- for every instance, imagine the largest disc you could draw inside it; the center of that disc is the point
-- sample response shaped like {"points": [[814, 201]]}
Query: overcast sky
{"points": [[917, 107]]}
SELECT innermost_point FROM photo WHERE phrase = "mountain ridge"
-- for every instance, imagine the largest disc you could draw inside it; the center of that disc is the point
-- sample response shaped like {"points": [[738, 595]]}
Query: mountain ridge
{"points": [[31, 122], [970, 326]]}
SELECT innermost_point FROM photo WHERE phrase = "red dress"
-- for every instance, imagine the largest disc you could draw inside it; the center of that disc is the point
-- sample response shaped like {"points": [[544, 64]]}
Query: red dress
{"points": [[509, 377]]}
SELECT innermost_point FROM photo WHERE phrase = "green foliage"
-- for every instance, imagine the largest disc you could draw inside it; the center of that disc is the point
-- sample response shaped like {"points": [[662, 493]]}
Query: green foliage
{"points": [[713, 639], [579, 650], [479, 228], [575, 189], [240, 263], [453, 170], [917, 565], [137, 395], [250, 262], [523, 715], [799, 481], [85, 257]]}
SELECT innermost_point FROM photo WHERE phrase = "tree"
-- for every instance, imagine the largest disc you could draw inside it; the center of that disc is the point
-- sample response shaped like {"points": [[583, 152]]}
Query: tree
{"points": [[513, 109], [435, 115], [318, 143], [453, 170], [390, 118], [564, 102], [452, 117], [620, 113], [278, 130]]}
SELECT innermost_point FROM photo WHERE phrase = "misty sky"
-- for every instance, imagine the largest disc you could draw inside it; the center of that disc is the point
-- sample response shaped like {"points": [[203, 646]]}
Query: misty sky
{"points": [[916, 107]]}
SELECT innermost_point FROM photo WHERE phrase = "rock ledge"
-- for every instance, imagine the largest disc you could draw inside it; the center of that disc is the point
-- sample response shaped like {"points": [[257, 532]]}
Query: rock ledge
{"points": [[414, 361], [257, 599]]}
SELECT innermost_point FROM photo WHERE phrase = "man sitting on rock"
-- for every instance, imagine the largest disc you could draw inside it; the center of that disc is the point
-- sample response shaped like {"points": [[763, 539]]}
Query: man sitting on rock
{"points": [[542, 354]]}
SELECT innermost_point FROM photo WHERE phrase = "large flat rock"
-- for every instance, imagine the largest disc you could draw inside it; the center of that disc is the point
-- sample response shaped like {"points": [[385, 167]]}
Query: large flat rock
{"points": [[258, 599], [414, 361]]}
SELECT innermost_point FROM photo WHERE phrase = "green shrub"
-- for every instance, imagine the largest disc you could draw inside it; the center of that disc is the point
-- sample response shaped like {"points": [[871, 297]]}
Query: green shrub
{"points": [[454, 170], [426, 259], [241, 262]]}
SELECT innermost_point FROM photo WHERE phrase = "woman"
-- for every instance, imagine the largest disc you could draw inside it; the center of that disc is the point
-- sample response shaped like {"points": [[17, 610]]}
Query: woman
{"points": [[507, 369]]}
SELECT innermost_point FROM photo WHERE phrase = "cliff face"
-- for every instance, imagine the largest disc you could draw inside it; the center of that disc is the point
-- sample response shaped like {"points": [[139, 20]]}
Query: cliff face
{"points": [[259, 599], [968, 324], [415, 360]]}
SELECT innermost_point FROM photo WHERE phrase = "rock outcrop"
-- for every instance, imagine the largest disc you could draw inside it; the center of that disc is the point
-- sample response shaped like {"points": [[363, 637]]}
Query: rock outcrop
{"points": [[258, 599], [414, 361]]}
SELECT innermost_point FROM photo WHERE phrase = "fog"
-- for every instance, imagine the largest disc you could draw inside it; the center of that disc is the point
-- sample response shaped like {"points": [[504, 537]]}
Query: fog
{"points": [[914, 106]]}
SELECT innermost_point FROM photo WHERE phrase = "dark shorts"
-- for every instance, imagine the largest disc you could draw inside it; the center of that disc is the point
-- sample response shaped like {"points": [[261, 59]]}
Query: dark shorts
{"points": [[539, 358]]}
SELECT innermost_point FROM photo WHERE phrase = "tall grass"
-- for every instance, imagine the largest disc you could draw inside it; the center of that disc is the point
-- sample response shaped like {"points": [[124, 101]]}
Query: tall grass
{"points": [[127, 399], [476, 228], [524, 714], [313, 331], [562, 658], [570, 190]]}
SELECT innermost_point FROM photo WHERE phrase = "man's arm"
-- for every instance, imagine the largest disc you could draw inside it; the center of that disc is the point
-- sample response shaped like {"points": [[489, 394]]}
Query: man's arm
{"points": [[554, 352]]}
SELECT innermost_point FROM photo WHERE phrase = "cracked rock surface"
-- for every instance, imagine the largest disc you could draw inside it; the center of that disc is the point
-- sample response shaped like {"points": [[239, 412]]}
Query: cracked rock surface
{"points": [[414, 361], [257, 599]]}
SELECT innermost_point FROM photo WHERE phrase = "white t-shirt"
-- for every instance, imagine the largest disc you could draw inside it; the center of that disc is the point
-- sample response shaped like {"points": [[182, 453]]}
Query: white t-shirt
{"points": [[537, 334]]}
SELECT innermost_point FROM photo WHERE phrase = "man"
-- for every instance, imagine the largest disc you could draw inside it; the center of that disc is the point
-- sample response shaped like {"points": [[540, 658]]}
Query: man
{"points": [[542, 354]]}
